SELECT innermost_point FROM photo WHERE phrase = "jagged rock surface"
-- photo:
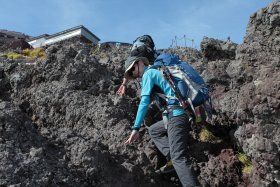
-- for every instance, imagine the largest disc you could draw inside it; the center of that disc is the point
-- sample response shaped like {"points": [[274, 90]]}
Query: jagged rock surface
{"points": [[61, 123], [258, 106], [213, 49], [11, 40], [246, 92]]}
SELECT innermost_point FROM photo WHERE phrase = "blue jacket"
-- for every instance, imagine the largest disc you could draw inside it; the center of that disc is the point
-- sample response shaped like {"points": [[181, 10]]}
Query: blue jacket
{"points": [[151, 78]]}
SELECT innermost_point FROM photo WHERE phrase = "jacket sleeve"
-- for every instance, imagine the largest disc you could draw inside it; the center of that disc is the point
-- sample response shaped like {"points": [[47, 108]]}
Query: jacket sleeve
{"points": [[142, 110]]}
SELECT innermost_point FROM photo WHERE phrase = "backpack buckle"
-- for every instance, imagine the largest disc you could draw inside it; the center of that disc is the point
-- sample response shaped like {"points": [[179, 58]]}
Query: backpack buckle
{"points": [[165, 118]]}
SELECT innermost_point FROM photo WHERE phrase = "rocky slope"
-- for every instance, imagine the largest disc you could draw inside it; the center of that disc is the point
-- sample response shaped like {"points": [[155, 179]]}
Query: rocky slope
{"points": [[247, 92], [61, 123], [12, 40]]}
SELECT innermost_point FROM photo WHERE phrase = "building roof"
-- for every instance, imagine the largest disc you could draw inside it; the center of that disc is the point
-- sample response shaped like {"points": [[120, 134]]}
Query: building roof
{"points": [[47, 36], [38, 37], [72, 29]]}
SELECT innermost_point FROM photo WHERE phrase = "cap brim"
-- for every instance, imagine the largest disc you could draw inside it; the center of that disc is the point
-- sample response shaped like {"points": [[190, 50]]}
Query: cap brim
{"points": [[127, 70]]}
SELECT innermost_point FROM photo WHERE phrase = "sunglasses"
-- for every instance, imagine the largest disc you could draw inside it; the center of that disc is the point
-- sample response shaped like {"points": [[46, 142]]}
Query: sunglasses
{"points": [[130, 72]]}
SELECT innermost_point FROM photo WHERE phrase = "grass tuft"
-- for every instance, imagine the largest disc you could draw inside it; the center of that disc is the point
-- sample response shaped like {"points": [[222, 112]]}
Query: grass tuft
{"points": [[34, 53], [26, 54], [247, 164], [205, 135], [12, 55]]}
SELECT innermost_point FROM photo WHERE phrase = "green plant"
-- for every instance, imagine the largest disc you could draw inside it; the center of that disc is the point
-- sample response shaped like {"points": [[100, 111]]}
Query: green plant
{"points": [[13, 55], [26, 53], [247, 169], [37, 53], [247, 164], [34, 53], [205, 135]]}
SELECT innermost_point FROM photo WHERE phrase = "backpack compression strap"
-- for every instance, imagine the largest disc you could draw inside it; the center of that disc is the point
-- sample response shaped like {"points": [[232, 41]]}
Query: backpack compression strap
{"points": [[167, 98], [167, 75]]}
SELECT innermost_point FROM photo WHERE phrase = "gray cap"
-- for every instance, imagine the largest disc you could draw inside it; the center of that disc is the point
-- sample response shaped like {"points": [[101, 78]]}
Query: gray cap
{"points": [[130, 61]]}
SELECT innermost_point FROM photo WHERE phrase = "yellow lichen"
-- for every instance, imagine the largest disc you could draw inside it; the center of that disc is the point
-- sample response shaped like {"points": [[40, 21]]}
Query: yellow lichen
{"points": [[247, 164], [205, 135], [26, 54]]}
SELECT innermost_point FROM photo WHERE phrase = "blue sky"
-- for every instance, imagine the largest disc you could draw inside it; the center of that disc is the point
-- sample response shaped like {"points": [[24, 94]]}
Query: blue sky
{"points": [[124, 20]]}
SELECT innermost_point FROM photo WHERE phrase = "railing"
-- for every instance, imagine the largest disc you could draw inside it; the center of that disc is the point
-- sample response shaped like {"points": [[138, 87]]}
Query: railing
{"points": [[187, 42]]}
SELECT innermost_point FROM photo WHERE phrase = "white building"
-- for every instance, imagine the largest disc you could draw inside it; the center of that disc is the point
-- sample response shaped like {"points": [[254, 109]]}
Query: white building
{"points": [[79, 31]]}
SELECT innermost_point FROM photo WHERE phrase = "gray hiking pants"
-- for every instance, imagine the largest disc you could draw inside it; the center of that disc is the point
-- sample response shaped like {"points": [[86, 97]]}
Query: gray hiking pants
{"points": [[173, 145]]}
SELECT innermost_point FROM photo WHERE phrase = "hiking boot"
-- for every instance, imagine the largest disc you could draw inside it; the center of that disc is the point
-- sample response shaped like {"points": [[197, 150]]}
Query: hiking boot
{"points": [[167, 168]]}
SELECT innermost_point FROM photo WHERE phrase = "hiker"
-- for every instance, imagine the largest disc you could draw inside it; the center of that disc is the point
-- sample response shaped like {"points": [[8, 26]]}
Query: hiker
{"points": [[173, 145], [142, 46]]}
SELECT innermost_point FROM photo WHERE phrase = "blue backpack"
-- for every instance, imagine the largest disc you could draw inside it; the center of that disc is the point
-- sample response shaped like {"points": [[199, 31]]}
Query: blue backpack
{"points": [[188, 85]]}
